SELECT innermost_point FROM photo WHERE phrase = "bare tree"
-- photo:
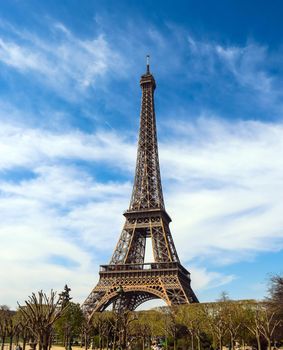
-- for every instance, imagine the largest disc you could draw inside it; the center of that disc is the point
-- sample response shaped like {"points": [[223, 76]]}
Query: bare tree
{"points": [[234, 315], [192, 317], [5, 315], [268, 323], [275, 291], [214, 314], [262, 321], [40, 313], [87, 331]]}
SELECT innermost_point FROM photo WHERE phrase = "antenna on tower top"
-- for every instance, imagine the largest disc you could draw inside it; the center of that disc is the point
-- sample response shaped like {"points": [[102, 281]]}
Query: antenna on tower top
{"points": [[147, 64]]}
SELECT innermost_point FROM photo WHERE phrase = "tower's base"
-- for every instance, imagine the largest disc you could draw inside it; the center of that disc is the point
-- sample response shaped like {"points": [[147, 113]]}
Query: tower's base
{"points": [[133, 284]]}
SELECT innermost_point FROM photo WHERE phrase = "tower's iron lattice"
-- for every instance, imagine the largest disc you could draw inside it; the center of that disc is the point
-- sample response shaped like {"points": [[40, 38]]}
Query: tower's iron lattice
{"points": [[146, 217]]}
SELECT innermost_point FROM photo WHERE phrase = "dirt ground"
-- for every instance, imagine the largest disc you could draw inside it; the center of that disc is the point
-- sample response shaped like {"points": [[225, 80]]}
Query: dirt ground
{"points": [[54, 347], [57, 347]]}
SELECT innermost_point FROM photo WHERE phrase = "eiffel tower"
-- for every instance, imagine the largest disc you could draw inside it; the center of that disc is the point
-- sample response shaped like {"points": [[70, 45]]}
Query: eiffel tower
{"points": [[128, 281]]}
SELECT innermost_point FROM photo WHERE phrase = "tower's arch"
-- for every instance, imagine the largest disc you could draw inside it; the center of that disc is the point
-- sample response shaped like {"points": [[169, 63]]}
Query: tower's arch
{"points": [[131, 298]]}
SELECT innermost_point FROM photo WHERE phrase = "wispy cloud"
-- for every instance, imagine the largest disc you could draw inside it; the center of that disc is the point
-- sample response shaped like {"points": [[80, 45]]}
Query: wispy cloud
{"points": [[222, 195], [27, 147], [248, 64], [204, 279], [61, 61], [225, 188]]}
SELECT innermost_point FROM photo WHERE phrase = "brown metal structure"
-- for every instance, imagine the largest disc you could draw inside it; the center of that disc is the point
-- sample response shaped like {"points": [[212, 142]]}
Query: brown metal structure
{"points": [[127, 281]]}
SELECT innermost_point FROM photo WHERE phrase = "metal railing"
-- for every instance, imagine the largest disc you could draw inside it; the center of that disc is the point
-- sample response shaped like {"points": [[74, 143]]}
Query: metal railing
{"points": [[144, 267]]}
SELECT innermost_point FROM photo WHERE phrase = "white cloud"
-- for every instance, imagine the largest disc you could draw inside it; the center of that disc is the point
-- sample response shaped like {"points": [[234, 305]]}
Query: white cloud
{"points": [[224, 197], [63, 62], [247, 71], [60, 211], [203, 279], [226, 190], [27, 147], [248, 65], [52, 227], [19, 57]]}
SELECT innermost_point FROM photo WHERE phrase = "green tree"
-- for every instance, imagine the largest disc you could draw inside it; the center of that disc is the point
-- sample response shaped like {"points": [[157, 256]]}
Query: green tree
{"points": [[68, 326], [172, 328], [262, 322], [103, 323], [147, 325], [192, 317], [234, 317], [215, 317]]}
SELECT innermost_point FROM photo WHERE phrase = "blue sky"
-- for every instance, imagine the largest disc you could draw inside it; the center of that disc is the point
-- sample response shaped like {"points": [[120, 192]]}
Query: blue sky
{"points": [[69, 117]]}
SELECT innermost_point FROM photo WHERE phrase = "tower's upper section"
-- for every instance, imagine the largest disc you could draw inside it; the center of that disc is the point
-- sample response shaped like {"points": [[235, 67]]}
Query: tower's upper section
{"points": [[147, 190]]}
